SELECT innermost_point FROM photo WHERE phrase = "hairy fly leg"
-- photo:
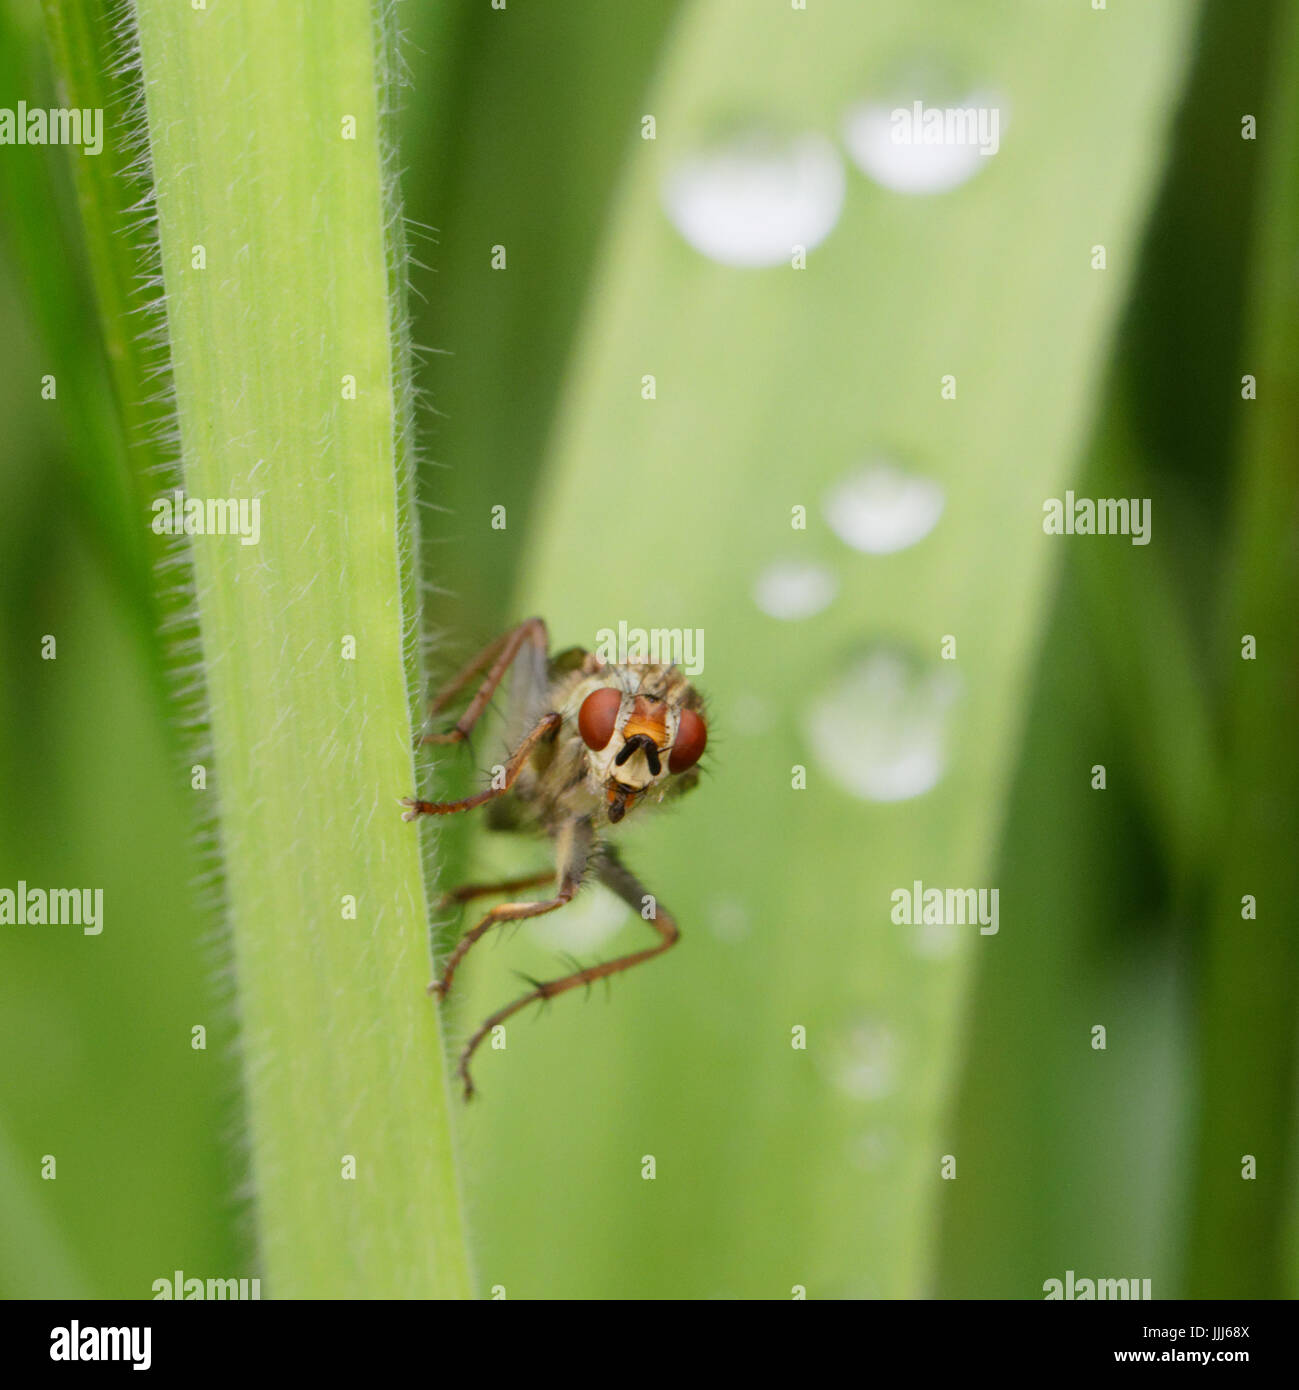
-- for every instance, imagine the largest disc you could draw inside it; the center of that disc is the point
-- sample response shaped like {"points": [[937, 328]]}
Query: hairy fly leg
{"points": [[467, 892], [546, 727], [573, 847], [611, 871], [500, 653]]}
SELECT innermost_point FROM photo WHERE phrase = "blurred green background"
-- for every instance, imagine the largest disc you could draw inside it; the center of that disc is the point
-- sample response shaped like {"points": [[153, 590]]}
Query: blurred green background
{"points": [[776, 1167]]}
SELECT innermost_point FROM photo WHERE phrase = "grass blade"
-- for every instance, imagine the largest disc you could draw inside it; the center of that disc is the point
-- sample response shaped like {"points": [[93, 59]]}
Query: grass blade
{"points": [[267, 139]]}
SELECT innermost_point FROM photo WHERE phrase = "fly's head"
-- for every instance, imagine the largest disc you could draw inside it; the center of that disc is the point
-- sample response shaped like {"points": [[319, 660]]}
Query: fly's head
{"points": [[644, 732]]}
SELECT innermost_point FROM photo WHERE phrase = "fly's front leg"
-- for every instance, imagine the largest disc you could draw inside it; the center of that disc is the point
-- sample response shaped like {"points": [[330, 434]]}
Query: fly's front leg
{"points": [[611, 871], [501, 653], [545, 727], [572, 850]]}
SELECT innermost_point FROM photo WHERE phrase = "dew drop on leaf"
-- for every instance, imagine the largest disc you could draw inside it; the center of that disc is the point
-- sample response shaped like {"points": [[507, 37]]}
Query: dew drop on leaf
{"points": [[793, 589], [876, 136], [880, 729], [864, 1060], [880, 508], [750, 199]]}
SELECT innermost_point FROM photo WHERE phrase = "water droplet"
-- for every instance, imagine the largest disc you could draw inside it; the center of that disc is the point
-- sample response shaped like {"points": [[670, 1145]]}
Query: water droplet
{"points": [[934, 940], [879, 508], [917, 146], [729, 920], [880, 730], [872, 1150], [594, 917], [793, 589], [750, 199], [864, 1060]]}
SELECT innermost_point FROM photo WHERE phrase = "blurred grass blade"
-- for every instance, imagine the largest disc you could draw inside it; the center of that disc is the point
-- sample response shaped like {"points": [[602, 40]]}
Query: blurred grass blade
{"points": [[772, 386], [82, 40], [268, 146], [1142, 631], [499, 161], [48, 1267], [38, 229], [1249, 988], [1151, 660]]}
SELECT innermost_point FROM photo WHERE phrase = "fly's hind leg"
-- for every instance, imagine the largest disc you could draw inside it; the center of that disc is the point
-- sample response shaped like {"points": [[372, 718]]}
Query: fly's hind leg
{"points": [[467, 892], [611, 871], [572, 850], [500, 654]]}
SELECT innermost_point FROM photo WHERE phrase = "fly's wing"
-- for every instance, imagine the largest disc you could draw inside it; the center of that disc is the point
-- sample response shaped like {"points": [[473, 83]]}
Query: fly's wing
{"points": [[529, 692]]}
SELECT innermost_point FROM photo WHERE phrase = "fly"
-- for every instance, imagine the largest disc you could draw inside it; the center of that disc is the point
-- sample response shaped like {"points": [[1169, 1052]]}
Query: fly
{"points": [[590, 740]]}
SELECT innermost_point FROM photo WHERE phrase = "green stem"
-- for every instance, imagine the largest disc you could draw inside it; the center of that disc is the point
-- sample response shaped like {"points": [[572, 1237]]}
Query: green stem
{"points": [[266, 132], [1250, 983]]}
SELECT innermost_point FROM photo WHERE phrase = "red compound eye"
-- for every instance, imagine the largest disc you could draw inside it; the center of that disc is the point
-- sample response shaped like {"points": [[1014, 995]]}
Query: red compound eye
{"points": [[692, 738], [597, 717]]}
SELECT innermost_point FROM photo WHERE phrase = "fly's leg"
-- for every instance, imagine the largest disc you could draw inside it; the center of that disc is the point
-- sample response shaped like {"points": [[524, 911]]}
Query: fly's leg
{"points": [[616, 876], [545, 727], [467, 892], [500, 653], [466, 673], [572, 849]]}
